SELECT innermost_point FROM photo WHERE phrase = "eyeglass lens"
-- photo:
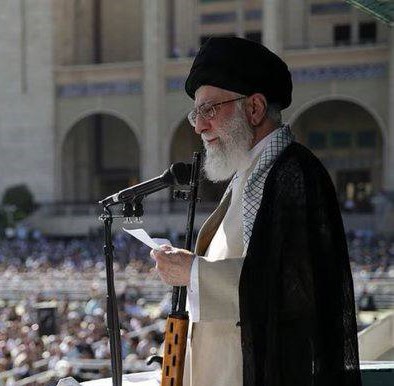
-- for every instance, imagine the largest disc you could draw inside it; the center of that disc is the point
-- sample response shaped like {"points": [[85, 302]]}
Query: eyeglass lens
{"points": [[207, 111]]}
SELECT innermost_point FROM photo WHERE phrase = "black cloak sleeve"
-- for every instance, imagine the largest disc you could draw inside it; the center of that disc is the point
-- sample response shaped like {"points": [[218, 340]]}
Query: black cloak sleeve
{"points": [[298, 324]]}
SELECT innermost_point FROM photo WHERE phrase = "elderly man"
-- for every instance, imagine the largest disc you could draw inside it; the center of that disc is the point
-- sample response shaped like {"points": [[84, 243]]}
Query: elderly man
{"points": [[269, 286]]}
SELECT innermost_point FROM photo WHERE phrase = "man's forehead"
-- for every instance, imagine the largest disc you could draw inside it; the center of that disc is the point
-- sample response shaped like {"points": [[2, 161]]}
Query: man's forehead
{"points": [[207, 93]]}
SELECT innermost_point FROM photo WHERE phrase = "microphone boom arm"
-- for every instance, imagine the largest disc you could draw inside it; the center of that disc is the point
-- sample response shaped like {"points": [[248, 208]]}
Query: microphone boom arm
{"points": [[177, 174]]}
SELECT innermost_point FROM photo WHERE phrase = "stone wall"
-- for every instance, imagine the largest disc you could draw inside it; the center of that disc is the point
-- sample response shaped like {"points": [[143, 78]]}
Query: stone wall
{"points": [[27, 97]]}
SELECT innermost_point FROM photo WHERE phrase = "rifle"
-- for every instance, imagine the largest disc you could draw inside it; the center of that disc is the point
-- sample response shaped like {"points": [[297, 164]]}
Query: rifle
{"points": [[173, 361]]}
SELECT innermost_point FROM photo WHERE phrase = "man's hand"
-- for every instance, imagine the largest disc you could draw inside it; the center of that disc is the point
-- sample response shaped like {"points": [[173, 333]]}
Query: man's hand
{"points": [[173, 265]]}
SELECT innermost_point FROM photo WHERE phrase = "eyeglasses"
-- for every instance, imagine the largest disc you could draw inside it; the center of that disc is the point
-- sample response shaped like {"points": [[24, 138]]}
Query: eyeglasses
{"points": [[207, 111]]}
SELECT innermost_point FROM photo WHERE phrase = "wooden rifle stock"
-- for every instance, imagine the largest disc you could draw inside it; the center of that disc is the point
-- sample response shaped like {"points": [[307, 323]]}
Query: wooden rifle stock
{"points": [[174, 350], [178, 320]]}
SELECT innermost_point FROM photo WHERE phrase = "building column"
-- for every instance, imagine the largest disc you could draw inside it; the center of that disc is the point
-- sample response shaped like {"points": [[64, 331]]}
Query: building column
{"points": [[295, 30], [154, 49], [273, 22], [389, 158], [240, 19], [185, 14], [27, 100], [354, 26]]}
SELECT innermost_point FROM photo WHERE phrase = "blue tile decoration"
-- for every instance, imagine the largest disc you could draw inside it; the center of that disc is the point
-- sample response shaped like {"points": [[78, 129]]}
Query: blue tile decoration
{"points": [[102, 88], [349, 72], [315, 74], [175, 84], [222, 17], [253, 14], [330, 8], [312, 74]]}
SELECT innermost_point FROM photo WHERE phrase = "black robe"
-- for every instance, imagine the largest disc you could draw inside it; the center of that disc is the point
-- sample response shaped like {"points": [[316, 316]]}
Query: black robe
{"points": [[297, 309]]}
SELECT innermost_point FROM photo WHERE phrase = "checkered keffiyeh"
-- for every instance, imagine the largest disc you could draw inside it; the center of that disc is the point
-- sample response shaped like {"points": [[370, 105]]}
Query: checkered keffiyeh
{"points": [[253, 190]]}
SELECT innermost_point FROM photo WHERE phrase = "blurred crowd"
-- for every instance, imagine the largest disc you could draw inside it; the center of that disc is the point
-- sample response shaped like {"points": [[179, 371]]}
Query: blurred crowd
{"points": [[32, 251], [76, 330], [78, 326], [371, 254], [72, 333]]}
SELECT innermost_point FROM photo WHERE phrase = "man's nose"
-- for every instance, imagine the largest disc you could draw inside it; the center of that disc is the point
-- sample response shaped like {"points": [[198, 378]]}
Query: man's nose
{"points": [[201, 125]]}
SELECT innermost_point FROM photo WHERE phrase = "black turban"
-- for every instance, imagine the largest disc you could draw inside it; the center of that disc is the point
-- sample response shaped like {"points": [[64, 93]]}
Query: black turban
{"points": [[241, 66]]}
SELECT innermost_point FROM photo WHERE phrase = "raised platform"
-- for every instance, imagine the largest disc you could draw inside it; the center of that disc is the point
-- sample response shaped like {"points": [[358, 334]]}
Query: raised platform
{"points": [[376, 342], [373, 374], [377, 373]]}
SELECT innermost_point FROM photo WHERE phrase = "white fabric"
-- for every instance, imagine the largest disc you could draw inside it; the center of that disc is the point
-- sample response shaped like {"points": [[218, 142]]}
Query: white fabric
{"points": [[148, 378], [218, 326], [230, 229], [215, 339], [193, 303]]}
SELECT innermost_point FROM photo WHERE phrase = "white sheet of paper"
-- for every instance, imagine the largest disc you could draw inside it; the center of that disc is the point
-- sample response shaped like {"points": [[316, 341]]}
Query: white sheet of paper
{"points": [[141, 235], [149, 378]]}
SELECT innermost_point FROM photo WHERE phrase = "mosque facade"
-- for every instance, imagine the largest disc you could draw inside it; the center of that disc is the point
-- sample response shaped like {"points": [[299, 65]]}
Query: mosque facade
{"points": [[92, 98]]}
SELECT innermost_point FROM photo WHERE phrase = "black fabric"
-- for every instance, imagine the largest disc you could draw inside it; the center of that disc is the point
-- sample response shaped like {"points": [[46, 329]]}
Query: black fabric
{"points": [[298, 324], [241, 66]]}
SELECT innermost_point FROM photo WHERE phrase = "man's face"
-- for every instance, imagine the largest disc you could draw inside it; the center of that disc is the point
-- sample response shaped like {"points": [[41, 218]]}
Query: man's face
{"points": [[227, 137]]}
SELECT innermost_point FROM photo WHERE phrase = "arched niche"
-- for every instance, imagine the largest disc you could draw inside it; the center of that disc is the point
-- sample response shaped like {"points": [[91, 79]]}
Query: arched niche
{"points": [[348, 140], [100, 156]]}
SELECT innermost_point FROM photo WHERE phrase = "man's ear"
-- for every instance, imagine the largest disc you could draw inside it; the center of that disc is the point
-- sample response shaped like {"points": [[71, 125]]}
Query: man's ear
{"points": [[256, 109]]}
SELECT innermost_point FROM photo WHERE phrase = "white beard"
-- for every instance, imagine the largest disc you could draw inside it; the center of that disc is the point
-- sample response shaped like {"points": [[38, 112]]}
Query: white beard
{"points": [[229, 152]]}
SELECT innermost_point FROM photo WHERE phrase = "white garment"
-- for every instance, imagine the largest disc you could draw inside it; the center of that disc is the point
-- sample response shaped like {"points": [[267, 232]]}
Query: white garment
{"points": [[231, 229], [218, 337]]}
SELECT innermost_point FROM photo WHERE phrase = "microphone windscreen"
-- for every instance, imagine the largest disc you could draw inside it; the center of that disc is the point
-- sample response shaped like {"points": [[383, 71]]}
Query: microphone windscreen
{"points": [[181, 172]]}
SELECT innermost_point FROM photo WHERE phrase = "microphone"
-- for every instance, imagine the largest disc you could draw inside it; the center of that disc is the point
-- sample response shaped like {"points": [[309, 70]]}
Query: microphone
{"points": [[178, 174]]}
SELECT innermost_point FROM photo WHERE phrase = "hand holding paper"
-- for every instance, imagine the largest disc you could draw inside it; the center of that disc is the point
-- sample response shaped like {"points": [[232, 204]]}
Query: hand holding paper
{"points": [[172, 264], [141, 235]]}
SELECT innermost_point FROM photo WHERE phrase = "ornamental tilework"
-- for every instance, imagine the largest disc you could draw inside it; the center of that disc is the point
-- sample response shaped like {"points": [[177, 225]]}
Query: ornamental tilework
{"points": [[101, 88], [351, 72], [316, 74]]}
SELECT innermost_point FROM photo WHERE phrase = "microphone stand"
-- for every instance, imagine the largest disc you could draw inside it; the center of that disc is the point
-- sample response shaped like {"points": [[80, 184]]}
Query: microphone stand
{"points": [[179, 294], [113, 326], [132, 208]]}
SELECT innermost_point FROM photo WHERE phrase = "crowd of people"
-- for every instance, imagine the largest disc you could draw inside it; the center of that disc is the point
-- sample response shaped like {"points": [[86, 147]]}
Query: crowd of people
{"points": [[370, 253], [79, 333], [79, 327], [33, 251]]}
